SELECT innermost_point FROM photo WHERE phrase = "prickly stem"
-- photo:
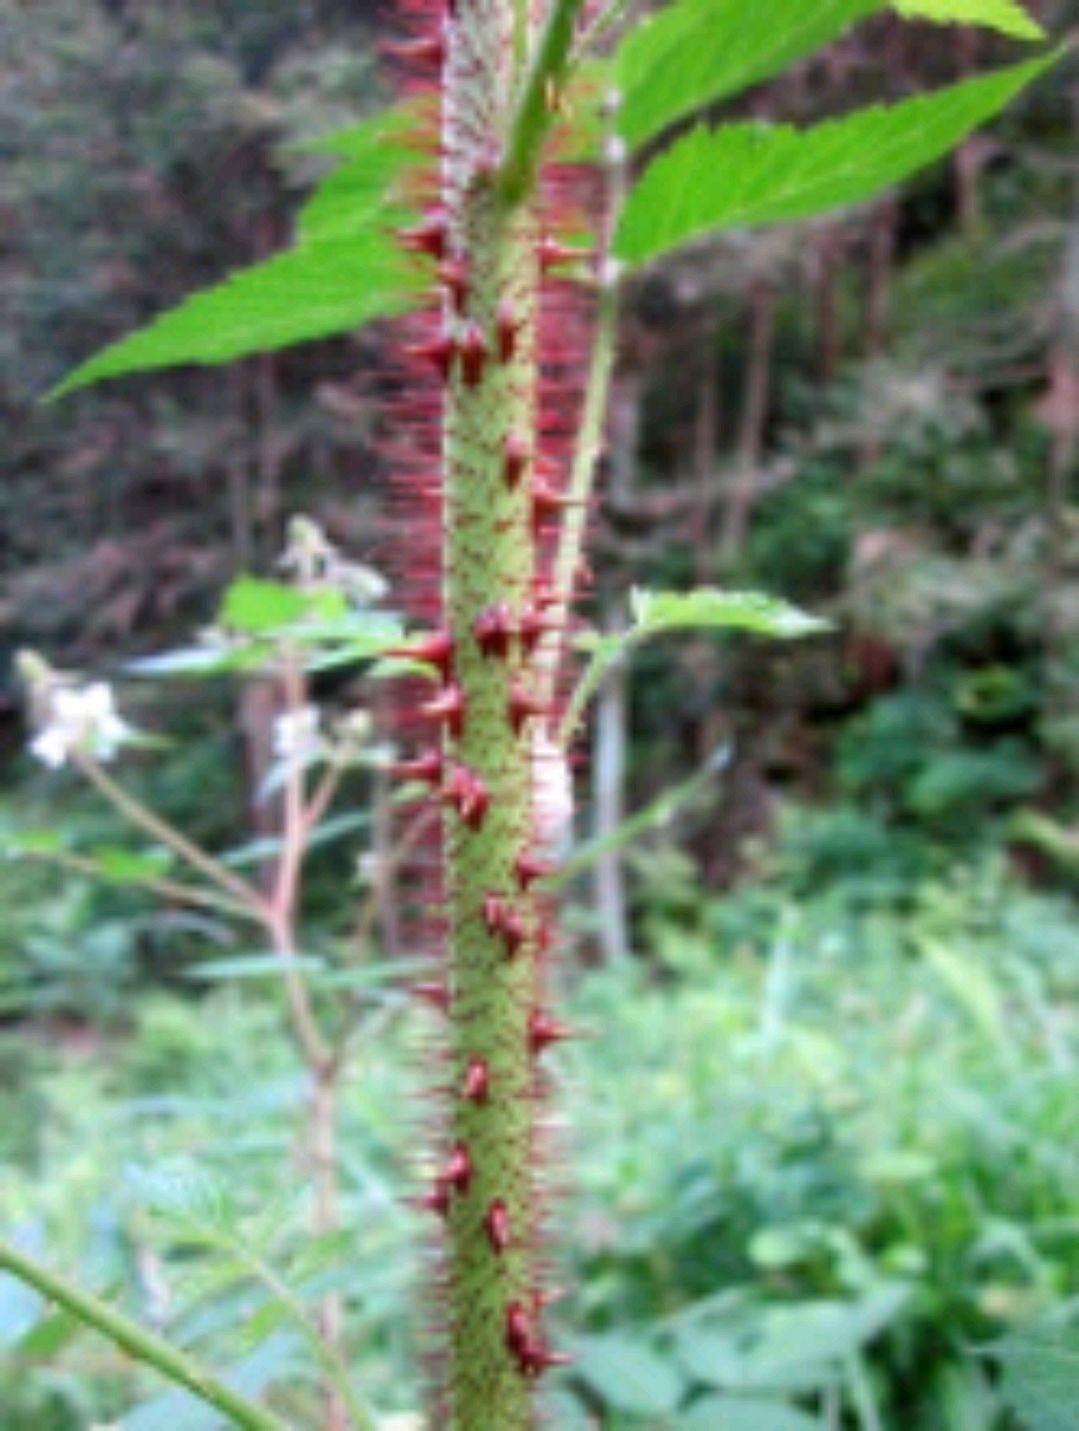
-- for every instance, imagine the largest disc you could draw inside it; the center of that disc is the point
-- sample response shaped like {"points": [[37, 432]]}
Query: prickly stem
{"points": [[488, 565]]}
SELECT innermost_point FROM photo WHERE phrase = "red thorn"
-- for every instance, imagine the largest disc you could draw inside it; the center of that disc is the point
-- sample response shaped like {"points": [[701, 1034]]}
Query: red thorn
{"points": [[437, 995], [499, 918], [542, 1358], [474, 353], [518, 1329], [458, 1170], [429, 235], [428, 767], [496, 1224], [436, 1201], [513, 932], [515, 452], [533, 626], [469, 796], [547, 501], [439, 352], [434, 649], [544, 1031], [448, 706], [507, 326], [453, 275], [493, 910], [492, 629], [529, 868], [544, 594], [544, 1297], [477, 1080], [532, 1356], [522, 706], [423, 51], [552, 253]]}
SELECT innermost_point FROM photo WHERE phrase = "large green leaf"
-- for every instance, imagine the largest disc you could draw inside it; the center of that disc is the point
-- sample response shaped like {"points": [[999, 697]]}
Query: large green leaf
{"points": [[699, 51], [345, 270], [321, 288], [746, 174], [696, 52]]}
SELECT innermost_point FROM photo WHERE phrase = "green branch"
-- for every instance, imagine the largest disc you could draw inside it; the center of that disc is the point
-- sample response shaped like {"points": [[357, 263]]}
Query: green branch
{"points": [[534, 115], [145, 1346]]}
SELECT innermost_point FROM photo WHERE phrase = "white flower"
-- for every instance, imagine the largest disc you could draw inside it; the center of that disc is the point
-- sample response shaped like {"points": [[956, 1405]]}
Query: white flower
{"points": [[552, 794], [296, 735], [368, 867], [314, 561], [78, 718]]}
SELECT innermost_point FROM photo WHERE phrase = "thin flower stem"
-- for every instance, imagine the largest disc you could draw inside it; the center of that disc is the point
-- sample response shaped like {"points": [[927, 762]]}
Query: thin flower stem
{"points": [[145, 1346], [332, 1361], [322, 798], [299, 818], [582, 477], [145, 819], [597, 393], [369, 913], [282, 913]]}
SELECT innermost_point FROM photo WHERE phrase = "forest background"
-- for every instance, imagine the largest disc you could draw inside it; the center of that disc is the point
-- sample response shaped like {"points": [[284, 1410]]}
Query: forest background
{"points": [[833, 975]]}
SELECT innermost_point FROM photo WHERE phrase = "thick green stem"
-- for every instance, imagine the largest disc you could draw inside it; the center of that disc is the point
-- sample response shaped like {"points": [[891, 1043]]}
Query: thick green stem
{"points": [[143, 1345], [488, 555], [535, 111]]}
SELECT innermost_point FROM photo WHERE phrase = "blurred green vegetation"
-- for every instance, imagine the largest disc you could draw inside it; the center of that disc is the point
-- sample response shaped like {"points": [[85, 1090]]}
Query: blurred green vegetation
{"points": [[824, 1155]]}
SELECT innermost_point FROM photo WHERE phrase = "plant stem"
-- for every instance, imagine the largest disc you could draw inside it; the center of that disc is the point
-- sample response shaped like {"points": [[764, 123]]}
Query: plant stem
{"points": [[145, 819], [534, 114], [582, 476], [322, 1068], [488, 561], [173, 1364], [596, 399], [334, 1365]]}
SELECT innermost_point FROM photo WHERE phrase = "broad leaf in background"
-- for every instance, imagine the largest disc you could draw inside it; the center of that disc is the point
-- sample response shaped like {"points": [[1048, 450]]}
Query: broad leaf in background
{"points": [[630, 1375], [699, 51], [345, 270], [752, 611], [746, 1413], [745, 174], [1040, 1376], [656, 613]]}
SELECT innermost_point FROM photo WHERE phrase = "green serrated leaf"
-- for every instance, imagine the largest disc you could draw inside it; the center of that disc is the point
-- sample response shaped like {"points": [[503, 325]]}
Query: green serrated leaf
{"points": [[332, 284], [378, 152], [700, 51], [1006, 16], [746, 174], [697, 52]]}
